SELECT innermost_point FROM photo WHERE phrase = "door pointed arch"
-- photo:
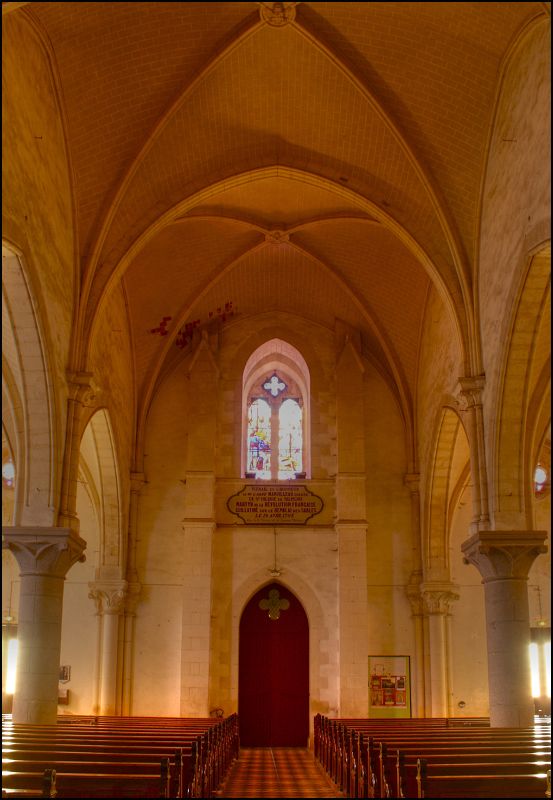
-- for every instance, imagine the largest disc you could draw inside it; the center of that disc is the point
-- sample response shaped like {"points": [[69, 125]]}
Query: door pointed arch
{"points": [[273, 685]]}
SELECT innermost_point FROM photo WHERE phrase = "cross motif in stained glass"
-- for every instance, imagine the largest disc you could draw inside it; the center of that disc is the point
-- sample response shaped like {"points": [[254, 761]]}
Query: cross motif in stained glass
{"points": [[274, 604], [274, 385]]}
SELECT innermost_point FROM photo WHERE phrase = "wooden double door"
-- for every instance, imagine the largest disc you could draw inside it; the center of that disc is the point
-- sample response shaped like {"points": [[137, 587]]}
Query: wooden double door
{"points": [[273, 689]]}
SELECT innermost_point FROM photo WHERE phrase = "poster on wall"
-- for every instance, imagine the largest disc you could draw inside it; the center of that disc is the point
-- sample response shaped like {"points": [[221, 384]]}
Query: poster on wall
{"points": [[389, 686]]}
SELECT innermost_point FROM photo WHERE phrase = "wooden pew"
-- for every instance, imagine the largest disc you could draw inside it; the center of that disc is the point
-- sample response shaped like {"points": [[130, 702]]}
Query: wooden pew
{"points": [[453, 783], [119, 746], [405, 783], [107, 758], [48, 787], [357, 758], [95, 784], [396, 761]]}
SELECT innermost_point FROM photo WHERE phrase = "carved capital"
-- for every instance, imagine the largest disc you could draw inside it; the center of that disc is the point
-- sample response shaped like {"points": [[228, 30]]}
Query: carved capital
{"points": [[500, 555], [44, 551], [138, 479], [277, 14], [471, 388], [82, 388], [437, 597], [414, 596], [412, 481], [109, 596]]}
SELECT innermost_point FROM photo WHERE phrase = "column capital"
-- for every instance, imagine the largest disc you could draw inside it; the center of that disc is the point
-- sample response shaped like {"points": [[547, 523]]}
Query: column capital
{"points": [[138, 479], [109, 596], [471, 390], [44, 551], [82, 387], [412, 481], [436, 597], [500, 555], [413, 592]]}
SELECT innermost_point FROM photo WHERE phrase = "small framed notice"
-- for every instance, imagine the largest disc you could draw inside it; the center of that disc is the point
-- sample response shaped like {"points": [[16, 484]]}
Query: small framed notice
{"points": [[389, 686]]}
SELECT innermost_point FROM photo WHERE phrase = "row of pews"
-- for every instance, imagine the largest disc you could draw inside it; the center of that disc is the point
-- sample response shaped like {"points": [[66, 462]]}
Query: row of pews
{"points": [[118, 757], [434, 757]]}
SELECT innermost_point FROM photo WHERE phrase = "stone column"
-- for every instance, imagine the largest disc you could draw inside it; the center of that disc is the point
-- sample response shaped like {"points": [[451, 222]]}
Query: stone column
{"points": [[412, 481], [417, 668], [354, 646], [199, 526], [44, 555], [504, 558], [133, 594], [133, 597], [436, 598], [109, 597], [351, 527], [473, 415]]}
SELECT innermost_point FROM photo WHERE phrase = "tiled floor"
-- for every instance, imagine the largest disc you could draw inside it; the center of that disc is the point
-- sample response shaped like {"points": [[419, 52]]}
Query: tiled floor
{"points": [[278, 772]]}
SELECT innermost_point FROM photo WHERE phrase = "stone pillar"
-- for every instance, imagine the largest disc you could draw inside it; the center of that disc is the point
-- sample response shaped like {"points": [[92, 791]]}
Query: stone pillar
{"points": [[133, 595], [412, 481], [354, 646], [199, 527], [109, 597], [44, 557], [81, 394], [504, 558], [418, 708], [351, 527], [436, 598], [473, 415], [196, 623]]}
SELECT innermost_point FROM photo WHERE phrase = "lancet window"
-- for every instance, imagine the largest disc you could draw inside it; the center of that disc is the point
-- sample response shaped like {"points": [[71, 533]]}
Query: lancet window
{"points": [[275, 432], [276, 399]]}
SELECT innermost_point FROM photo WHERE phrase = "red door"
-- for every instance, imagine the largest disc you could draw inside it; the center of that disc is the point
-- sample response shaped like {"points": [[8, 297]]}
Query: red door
{"points": [[273, 687]]}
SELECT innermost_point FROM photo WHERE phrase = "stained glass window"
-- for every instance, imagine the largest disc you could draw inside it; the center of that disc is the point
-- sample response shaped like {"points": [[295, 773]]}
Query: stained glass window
{"points": [[275, 431], [259, 439], [290, 440], [8, 473]]}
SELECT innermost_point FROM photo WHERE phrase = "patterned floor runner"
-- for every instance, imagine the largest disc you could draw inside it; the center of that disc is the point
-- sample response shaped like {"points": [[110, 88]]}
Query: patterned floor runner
{"points": [[278, 772]]}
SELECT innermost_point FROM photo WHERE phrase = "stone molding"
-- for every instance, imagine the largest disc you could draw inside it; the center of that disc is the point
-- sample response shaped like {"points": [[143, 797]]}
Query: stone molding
{"points": [[437, 597], [277, 14], [109, 596], [82, 388], [471, 391], [500, 555], [277, 237], [412, 481], [44, 551], [414, 596], [138, 479]]}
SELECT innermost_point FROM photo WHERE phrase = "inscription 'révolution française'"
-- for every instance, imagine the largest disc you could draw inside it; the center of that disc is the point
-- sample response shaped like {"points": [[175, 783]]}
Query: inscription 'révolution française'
{"points": [[273, 504]]}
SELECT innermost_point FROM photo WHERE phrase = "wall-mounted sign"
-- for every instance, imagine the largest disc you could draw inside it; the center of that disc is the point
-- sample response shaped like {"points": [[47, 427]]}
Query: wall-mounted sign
{"points": [[273, 504]]}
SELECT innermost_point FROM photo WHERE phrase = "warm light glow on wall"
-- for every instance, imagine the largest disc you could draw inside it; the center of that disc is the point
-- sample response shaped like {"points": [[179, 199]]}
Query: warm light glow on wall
{"points": [[12, 661], [547, 656]]}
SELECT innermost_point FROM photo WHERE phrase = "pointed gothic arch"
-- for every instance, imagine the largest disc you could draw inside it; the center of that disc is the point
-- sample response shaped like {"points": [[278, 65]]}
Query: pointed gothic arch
{"points": [[100, 463], [449, 466], [513, 420], [27, 386]]}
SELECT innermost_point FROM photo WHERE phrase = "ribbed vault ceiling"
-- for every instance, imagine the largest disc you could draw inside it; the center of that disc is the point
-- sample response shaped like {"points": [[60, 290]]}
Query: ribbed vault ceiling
{"points": [[329, 167]]}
